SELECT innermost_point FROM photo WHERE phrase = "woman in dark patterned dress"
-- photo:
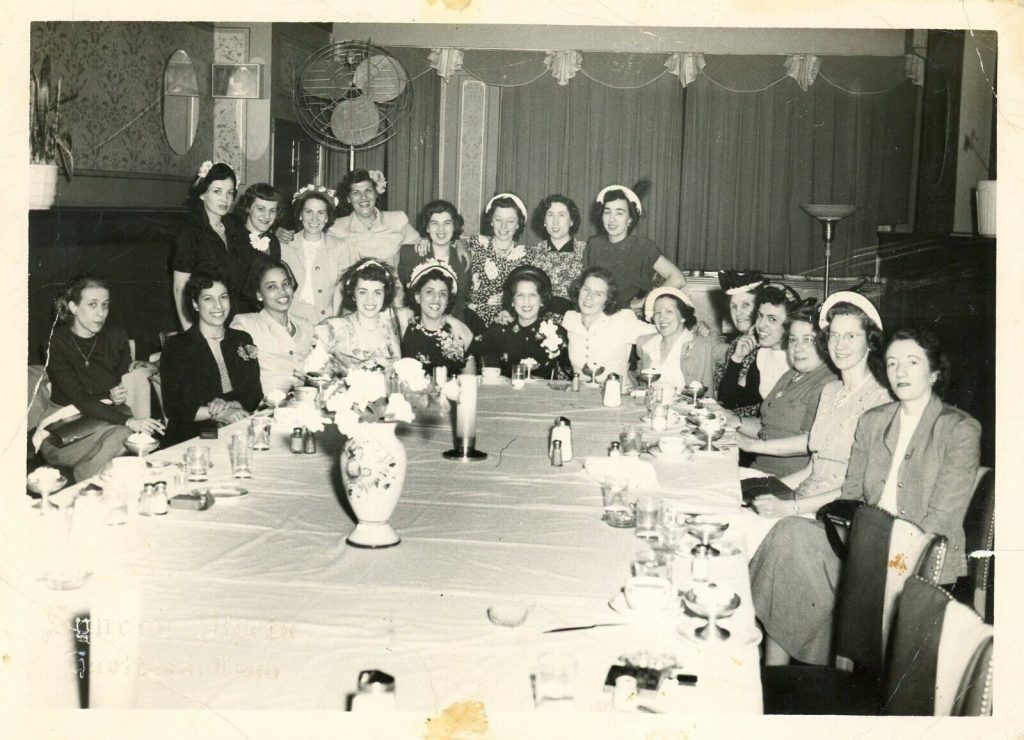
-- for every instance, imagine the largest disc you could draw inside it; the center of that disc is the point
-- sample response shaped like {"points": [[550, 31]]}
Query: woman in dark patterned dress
{"points": [[430, 338]]}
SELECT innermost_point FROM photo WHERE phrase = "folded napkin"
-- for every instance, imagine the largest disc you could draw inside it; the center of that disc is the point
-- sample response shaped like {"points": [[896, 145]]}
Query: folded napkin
{"points": [[638, 474]]}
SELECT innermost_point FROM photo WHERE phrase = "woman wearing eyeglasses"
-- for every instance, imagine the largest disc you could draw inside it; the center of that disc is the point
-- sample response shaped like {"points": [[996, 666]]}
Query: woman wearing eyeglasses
{"points": [[853, 336], [779, 437]]}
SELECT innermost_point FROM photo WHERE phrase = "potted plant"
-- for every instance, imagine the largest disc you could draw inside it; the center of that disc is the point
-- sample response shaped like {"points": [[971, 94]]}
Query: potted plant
{"points": [[49, 146]]}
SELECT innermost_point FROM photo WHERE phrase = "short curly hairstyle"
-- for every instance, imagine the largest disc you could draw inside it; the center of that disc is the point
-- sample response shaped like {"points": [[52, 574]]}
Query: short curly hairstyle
{"points": [[685, 310], [938, 360], [539, 214], [529, 274], [354, 178], [422, 280], [612, 303], [198, 282], [618, 194], [440, 206], [873, 336], [300, 204], [261, 191], [370, 270], [808, 315], [497, 203], [73, 294]]}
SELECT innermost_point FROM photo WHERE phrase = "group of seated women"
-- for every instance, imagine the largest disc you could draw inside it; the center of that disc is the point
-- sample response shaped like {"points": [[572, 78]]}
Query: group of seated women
{"points": [[810, 391]]}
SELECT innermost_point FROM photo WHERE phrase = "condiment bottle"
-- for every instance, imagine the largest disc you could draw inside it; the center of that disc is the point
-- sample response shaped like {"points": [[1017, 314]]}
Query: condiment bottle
{"points": [[615, 450], [375, 692], [309, 442], [612, 391], [160, 506], [556, 453], [576, 382], [296, 443], [561, 432]]}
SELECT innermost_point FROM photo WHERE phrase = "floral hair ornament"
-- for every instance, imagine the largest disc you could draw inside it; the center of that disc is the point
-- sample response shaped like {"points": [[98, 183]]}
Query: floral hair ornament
{"points": [[434, 266], [204, 170], [657, 293], [317, 189], [855, 299], [793, 299], [511, 196], [372, 261], [380, 183], [734, 282], [630, 196]]}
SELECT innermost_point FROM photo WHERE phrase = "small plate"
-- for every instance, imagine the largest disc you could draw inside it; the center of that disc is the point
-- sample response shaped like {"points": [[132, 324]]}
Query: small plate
{"points": [[559, 385], [224, 492], [619, 605]]}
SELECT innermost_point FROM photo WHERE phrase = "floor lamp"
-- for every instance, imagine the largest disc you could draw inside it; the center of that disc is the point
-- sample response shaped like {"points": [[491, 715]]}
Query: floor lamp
{"points": [[829, 216]]}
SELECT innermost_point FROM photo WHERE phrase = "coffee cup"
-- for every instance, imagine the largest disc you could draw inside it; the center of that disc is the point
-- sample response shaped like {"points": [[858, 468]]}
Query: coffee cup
{"points": [[648, 593], [672, 446]]}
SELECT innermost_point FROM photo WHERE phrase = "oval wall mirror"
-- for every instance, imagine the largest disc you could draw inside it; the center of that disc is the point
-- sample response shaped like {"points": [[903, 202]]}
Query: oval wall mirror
{"points": [[181, 102]]}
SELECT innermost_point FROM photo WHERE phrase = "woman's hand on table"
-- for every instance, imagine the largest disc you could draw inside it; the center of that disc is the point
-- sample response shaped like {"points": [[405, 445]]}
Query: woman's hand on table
{"points": [[732, 419], [119, 394], [145, 426], [773, 507], [744, 346], [230, 414]]}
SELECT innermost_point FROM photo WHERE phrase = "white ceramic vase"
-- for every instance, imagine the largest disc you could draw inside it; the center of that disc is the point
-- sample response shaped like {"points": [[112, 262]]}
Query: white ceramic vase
{"points": [[42, 185], [373, 466]]}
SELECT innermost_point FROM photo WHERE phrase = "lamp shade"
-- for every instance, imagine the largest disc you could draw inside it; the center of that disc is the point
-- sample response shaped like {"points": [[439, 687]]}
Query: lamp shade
{"points": [[828, 212]]}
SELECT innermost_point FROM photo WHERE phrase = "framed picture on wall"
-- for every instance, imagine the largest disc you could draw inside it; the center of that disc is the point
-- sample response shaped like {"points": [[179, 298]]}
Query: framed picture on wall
{"points": [[240, 81]]}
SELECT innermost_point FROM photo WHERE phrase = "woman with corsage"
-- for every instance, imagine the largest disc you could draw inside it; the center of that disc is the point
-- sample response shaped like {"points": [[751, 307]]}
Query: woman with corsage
{"points": [[916, 458], [493, 259], [533, 335], [91, 373], [633, 259], [680, 355], [210, 373], [283, 340], [430, 337]]}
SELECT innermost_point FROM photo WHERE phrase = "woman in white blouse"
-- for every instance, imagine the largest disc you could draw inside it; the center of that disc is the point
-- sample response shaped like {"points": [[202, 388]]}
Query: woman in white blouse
{"points": [[601, 335], [283, 340]]}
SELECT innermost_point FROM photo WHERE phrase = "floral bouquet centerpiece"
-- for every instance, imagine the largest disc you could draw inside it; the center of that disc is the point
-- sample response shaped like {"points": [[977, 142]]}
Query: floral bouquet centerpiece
{"points": [[367, 404]]}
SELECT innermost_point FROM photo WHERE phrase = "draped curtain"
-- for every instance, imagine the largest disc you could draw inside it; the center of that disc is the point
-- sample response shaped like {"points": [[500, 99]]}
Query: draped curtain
{"points": [[577, 138]]}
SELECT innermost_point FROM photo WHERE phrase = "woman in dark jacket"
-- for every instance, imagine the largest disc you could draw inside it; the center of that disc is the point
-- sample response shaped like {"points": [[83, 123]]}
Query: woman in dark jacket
{"points": [[210, 373]]}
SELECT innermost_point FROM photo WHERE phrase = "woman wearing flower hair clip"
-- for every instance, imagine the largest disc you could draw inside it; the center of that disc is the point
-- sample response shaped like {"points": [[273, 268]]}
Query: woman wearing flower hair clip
{"points": [[632, 259], [432, 337], [493, 259], [317, 259], [366, 230], [211, 243]]}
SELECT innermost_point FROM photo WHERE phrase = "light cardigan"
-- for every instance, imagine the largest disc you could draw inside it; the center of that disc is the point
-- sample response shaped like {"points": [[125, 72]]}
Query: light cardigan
{"points": [[331, 260], [280, 354], [382, 240], [605, 344]]}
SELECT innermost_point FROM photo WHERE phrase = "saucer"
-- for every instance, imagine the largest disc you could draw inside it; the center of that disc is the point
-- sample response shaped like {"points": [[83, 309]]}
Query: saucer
{"points": [[619, 605], [225, 492]]}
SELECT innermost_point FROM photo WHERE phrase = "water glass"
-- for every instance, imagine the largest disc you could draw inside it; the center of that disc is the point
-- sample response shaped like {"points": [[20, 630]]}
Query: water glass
{"points": [[554, 682], [648, 516], [617, 512], [241, 456], [653, 563], [631, 439], [197, 462], [259, 433], [519, 376]]}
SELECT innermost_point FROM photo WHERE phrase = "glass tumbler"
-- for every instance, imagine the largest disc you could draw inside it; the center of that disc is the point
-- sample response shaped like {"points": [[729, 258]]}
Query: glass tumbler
{"points": [[259, 433], [240, 454], [197, 462]]}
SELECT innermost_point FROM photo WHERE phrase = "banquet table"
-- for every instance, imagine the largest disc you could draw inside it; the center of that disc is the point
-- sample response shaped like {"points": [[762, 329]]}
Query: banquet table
{"points": [[258, 602]]}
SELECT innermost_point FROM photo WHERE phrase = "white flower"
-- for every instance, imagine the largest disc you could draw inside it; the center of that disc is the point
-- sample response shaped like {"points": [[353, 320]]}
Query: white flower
{"points": [[261, 243], [275, 397], [366, 386], [347, 421], [316, 360], [338, 402], [410, 372], [399, 408], [204, 169], [490, 269], [452, 390], [379, 183]]}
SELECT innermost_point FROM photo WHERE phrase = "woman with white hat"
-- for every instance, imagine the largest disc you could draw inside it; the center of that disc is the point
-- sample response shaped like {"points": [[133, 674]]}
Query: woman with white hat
{"points": [[679, 354], [493, 258], [633, 259]]}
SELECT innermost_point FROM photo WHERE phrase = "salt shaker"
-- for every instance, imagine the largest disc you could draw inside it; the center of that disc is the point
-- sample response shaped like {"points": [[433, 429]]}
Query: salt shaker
{"points": [[615, 450], [160, 506], [296, 443], [375, 692], [561, 432], [612, 391], [556, 453], [576, 382], [309, 442]]}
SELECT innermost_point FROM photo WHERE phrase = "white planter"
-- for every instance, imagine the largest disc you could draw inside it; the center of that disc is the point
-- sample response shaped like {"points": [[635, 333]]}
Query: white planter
{"points": [[986, 207], [42, 185], [373, 470]]}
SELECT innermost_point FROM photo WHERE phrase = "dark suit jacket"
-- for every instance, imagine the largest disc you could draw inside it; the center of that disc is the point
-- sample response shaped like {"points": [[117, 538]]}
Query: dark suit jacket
{"points": [[190, 378], [936, 477]]}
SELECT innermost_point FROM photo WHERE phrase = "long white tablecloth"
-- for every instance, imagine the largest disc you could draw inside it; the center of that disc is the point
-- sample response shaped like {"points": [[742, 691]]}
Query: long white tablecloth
{"points": [[259, 603]]}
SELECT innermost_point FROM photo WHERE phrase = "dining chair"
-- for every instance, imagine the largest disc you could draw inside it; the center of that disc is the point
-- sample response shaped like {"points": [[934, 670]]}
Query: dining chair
{"points": [[884, 552], [941, 662], [980, 530]]}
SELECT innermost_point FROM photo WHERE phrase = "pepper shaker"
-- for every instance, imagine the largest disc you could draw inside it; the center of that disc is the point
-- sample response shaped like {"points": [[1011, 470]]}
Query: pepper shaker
{"points": [[297, 441]]}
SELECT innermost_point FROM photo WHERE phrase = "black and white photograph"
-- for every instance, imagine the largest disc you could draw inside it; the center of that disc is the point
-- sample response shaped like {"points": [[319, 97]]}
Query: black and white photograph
{"points": [[440, 370]]}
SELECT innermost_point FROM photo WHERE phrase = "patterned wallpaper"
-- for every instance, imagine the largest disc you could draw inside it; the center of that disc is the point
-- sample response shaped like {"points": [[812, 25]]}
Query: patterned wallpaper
{"points": [[117, 71], [231, 46]]}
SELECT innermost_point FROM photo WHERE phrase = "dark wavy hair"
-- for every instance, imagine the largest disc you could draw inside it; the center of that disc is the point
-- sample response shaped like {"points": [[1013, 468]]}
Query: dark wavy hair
{"points": [[775, 295], [262, 191], [219, 171], [261, 266], [873, 335], [612, 303], [486, 227], [545, 205], [354, 178], [368, 269], [807, 314], [440, 206], [530, 274], [685, 310], [938, 360], [300, 203], [73, 294], [198, 282], [640, 189], [423, 279]]}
